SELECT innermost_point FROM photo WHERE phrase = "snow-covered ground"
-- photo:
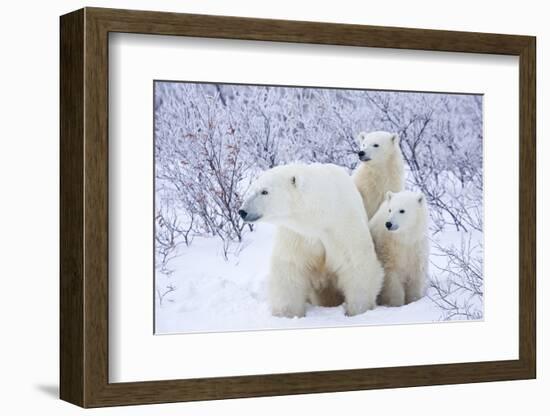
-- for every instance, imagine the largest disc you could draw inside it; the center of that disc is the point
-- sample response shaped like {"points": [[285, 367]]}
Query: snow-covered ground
{"points": [[211, 294]]}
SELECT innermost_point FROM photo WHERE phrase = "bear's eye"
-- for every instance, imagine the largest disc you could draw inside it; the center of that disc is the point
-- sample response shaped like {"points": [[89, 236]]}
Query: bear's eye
{"points": [[375, 145], [389, 210], [264, 192], [401, 211]]}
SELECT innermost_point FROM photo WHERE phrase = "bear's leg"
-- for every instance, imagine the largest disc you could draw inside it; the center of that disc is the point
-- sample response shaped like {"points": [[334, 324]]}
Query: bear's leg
{"points": [[359, 290], [415, 289], [393, 292], [288, 290]]}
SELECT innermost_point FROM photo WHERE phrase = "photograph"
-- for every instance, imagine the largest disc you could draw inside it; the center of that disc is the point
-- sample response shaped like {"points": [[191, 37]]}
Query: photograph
{"points": [[279, 207]]}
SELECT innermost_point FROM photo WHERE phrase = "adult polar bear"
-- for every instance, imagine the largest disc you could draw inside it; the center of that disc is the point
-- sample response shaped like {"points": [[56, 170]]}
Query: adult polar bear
{"points": [[323, 240], [381, 168]]}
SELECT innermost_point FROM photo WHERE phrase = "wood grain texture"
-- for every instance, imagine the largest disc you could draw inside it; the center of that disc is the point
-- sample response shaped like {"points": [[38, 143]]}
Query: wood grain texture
{"points": [[84, 207], [226, 27], [527, 207], [96, 208], [71, 184]]}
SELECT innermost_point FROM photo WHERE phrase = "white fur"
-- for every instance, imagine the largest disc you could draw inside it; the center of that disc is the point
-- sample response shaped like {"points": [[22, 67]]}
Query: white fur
{"points": [[381, 169], [403, 249], [323, 240]]}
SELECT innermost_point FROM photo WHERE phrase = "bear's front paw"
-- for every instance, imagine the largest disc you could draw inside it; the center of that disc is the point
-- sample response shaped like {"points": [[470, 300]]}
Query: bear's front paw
{"points": [[357, 308], [395, 297], [288, 312], [393, 301]]}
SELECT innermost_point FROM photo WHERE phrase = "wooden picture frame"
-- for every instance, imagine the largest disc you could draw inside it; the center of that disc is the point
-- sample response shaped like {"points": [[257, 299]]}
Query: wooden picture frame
{"points": [[84, 207]]}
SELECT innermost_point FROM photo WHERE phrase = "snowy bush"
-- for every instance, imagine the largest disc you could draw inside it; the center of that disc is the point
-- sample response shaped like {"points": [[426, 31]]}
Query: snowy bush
{"points": [[168, 235], [199, 161], [458, 284]]}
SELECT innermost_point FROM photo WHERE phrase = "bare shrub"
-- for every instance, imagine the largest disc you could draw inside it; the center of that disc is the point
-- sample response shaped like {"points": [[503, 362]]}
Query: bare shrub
{"points": [[457, 288]]}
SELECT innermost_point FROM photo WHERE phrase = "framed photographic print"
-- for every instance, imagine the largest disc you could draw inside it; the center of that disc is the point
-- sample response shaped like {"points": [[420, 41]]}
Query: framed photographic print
{"points": [[338, 207]]}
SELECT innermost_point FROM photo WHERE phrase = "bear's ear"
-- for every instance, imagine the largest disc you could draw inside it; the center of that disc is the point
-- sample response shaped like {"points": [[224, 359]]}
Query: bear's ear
{"points": [[389, 194], [395, 138]]}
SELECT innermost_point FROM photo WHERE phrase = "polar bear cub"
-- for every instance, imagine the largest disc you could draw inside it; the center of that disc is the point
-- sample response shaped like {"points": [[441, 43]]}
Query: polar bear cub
{"points": [[381, 168], [400, 234], [323, 239]]}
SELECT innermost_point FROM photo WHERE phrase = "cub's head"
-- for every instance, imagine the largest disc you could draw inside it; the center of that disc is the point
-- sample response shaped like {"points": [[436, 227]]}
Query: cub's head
{"points": [[406, 210], [273, 197], [377, 146]]}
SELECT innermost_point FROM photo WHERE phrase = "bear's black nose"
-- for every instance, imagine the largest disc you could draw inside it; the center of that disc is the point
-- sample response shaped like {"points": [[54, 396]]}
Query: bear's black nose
{"points": [[388, 225], [361, 153], [243, 213]]}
